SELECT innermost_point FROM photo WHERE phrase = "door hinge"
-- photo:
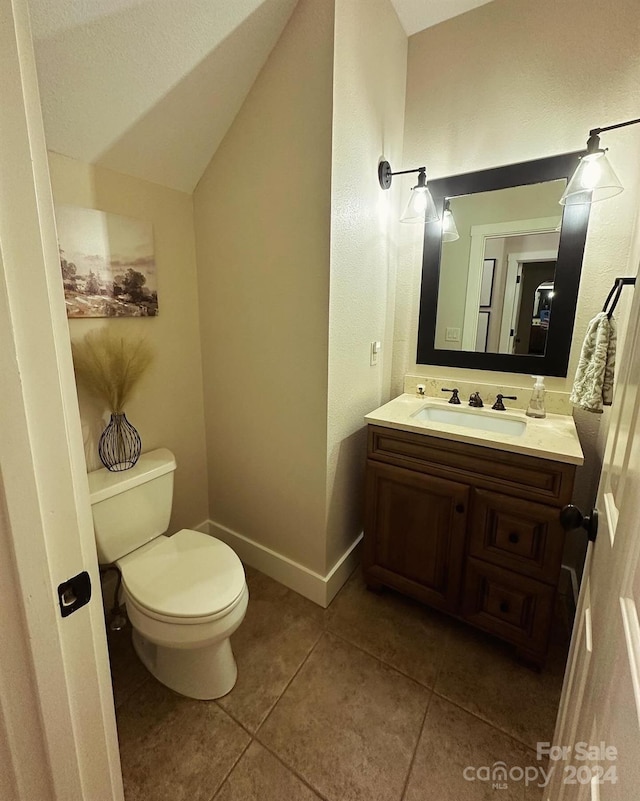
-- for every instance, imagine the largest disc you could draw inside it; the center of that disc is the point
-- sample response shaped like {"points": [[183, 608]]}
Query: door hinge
{"points": [[74, 593]]}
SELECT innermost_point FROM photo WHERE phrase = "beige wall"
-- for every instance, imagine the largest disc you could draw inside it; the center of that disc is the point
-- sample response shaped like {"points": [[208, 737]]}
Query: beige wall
{"points": [[368, 116], [167, 409], [293, 292], [513, 81], [262, 218]]}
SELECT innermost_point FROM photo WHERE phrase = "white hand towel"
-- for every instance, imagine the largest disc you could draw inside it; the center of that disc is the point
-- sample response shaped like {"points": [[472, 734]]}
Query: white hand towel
{"points": [[593, 384]]}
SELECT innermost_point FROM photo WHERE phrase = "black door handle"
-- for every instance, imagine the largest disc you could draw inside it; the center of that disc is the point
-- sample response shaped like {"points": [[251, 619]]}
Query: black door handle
{"points": [[571, 517], [74, 593]]}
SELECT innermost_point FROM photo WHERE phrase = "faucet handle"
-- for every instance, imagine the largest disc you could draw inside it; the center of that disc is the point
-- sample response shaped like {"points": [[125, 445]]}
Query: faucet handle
{"points": [[454, 397], [476, 401], [499, 405]]}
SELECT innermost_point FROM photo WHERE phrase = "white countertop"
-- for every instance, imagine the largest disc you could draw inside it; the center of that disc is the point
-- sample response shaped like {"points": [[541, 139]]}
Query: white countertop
{"points": [[554, 437]]}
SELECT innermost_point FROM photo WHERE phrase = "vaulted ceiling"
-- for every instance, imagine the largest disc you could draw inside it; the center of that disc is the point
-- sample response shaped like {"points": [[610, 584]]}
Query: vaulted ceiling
{"points": [[150, 87], [416, 15]]}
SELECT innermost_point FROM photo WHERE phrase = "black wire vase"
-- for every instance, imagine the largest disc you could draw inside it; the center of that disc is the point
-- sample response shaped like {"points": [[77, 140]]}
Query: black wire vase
{"points": [[120, 444]]}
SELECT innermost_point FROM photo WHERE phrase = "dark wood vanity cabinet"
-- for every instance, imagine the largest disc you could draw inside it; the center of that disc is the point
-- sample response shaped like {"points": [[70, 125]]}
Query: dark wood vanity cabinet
{"points": [[470, 530]]}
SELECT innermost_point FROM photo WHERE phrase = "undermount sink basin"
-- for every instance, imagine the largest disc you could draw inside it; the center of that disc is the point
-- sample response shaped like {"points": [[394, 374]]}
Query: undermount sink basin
{"points": [[472, 418]]}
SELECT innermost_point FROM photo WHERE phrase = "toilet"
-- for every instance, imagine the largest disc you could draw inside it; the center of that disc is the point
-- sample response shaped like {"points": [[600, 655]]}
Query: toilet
{"points": [[185, 594]]}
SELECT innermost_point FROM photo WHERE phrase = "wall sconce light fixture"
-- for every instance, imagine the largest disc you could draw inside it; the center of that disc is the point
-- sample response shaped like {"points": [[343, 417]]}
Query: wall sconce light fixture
{"points": [[421, 207], [594, 178], [449, 229]]}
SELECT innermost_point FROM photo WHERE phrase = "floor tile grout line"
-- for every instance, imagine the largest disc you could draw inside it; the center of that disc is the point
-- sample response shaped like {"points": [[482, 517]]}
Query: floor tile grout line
{"points": [[231, 769], [325, 624], [415, 750], [288, 684], [420, 684], [242, 725], [292, 770], [431, 688], [344, 586], [486, 721], [322, 629], [362, 650], [377, 659]]}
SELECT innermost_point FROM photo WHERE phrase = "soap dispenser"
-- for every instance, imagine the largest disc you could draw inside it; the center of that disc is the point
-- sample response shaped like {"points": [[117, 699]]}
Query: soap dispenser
{"points": [[536, 404]]}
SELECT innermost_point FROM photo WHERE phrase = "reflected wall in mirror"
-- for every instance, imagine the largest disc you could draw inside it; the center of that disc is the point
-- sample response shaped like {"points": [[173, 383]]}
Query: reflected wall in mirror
{"points": [[502, 296], [508, 240]]}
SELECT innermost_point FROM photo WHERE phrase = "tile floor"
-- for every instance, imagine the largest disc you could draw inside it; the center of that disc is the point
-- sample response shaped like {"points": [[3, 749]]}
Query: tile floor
{"points": [[375, 699]]}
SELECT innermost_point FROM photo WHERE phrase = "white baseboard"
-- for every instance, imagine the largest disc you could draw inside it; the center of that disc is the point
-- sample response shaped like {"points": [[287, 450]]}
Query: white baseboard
{"points": [[317, 588], [203, 527]]}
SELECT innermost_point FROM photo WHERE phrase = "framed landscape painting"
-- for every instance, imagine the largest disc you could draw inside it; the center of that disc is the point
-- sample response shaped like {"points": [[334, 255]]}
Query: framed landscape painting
{"points": [[108, 264]]}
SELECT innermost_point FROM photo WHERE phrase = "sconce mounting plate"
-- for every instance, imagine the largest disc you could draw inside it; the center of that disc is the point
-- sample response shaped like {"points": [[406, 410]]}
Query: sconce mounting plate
{"points": [[384, 174]]}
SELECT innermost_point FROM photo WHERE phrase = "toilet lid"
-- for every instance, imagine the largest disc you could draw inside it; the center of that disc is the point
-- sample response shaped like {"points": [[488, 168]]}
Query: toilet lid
{"points": [[187, 575]]}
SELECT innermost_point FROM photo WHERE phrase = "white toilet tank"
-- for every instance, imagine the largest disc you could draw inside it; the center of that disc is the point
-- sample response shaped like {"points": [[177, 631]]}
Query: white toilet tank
{"points": [[133, 506]]}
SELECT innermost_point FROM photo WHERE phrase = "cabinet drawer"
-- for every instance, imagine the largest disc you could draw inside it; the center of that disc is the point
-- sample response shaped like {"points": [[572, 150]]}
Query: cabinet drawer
{"points": [[518, 535], [526, 476], [516, 608]]}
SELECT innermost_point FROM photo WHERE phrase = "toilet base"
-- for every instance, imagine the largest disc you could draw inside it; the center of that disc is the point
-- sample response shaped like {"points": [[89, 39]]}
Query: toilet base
{"points": [[203, 673]]}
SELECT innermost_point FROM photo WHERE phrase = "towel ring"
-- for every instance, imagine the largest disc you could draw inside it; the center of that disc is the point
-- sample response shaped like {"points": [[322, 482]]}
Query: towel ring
{"points": [[615, 292]]}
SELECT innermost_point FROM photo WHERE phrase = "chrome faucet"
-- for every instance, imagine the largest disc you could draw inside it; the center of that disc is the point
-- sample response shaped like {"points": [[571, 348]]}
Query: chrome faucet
{"points": [[476, 400]]}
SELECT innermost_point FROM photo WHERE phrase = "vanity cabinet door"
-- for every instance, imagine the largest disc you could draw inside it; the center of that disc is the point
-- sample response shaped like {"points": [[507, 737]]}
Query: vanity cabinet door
{"points": [[414, 533], [519, 535]]}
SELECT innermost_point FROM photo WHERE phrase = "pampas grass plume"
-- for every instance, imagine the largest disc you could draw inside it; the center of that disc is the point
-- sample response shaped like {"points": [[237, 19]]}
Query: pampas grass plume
{"points": [[110, 367]]}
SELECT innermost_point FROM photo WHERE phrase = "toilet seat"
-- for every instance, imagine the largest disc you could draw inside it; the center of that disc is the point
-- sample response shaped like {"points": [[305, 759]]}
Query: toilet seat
{"points": [[187, 578]]}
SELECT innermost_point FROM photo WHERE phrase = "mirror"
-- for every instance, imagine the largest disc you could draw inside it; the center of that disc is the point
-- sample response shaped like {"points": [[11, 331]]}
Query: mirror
{"points": [[502, 296]]}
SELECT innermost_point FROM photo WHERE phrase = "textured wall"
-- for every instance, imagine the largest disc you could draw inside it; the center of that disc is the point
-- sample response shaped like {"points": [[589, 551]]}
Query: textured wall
{"points": [[262, 217], [167, 409], [149, 88], [512, 81], [368, 118]]}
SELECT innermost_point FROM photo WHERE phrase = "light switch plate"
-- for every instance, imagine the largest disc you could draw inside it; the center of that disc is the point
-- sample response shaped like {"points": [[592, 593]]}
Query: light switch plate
{"points": [[374, 351], [452, 335]]}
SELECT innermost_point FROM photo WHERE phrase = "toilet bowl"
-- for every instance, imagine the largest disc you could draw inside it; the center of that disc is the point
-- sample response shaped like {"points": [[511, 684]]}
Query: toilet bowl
{"points": [[185, 594]]}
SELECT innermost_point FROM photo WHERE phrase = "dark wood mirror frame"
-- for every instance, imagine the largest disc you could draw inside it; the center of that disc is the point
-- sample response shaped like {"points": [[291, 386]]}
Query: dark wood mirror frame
{"points": [[573, 235]]}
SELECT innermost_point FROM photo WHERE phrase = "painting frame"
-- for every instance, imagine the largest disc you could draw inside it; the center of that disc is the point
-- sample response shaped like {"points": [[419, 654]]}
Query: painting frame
{"points": [[108, 264], [486, 285], [482, 334]]}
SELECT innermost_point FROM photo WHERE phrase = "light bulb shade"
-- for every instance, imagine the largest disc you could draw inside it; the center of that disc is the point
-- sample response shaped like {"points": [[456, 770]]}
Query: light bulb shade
{"points": [[421, 207], [449, 230], [593, 180]]}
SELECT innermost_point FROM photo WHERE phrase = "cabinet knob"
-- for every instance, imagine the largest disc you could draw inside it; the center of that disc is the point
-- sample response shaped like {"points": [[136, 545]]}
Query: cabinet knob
{"points": [[459, 508], [504, 606], [514, 537]]}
